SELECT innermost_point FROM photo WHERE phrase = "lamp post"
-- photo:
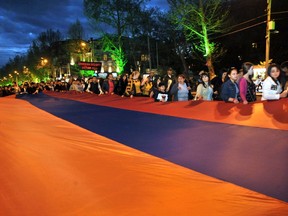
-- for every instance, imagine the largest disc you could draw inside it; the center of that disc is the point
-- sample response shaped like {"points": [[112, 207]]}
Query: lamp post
{"points": [[268, 28], [4, 80], [11, 77], [83, 49], [16, 76], [26, 72], [44, 61], [46, 67]]}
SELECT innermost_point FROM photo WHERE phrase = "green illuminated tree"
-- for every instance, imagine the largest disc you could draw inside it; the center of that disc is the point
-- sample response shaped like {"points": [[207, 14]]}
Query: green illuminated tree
{"points": [[110, 45], [201, 19]]}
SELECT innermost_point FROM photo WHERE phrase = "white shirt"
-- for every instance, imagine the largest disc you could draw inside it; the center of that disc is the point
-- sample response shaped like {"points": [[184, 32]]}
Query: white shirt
{"points": [[161, 96], [270, 89]]}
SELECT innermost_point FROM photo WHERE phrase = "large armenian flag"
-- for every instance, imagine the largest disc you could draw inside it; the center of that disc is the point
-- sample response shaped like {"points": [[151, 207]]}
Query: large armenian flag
{"points": [[64, 154]]}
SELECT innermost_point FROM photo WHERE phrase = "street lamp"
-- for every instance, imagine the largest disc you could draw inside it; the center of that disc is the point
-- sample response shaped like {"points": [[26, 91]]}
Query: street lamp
{"points": [[4, 80], [44, 61], [83, 50], [26, 72], [16, 76], [11, 77]]}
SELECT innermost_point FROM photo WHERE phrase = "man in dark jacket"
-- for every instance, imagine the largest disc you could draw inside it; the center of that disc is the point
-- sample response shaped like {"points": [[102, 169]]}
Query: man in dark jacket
{"points": [[95, 86], [168, 81]]}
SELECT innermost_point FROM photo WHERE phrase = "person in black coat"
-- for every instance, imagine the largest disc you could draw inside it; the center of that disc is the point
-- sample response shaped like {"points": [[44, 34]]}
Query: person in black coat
{"points": [[169, 81], [122, 84], [217, 83], [95, 86]]}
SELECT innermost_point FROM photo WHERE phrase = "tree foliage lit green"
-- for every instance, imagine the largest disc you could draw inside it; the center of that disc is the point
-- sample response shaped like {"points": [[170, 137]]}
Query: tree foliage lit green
{"points": [[111, 46], [200, 20]]}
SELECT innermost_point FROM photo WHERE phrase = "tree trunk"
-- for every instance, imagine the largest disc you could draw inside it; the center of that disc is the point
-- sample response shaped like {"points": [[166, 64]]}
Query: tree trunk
{"points": [[185, 72], [210, 66], [182, 58]]}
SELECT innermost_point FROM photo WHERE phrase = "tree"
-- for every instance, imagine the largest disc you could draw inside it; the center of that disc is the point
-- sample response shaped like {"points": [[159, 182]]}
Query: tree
{"points": [[45, 39], [150, 27], [200, 19], [116, 52], [143, 25], [44, 47], [154, 42], [115, 14], [76, 31], [174, 39]]}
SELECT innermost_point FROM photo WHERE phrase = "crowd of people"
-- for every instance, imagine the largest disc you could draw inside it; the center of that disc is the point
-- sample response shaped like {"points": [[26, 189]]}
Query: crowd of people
{"points": [[231, 85]]}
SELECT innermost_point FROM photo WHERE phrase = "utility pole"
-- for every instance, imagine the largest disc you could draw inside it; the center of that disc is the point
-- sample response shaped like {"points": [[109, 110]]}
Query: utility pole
{"points": [[269, 3]]}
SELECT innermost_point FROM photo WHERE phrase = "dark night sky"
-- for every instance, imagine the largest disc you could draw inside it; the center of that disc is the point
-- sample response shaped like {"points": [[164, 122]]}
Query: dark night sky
{"points": [[21, 21]]}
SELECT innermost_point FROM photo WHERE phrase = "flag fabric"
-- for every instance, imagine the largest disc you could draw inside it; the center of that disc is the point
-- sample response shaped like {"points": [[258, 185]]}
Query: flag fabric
{"points": [[82, 154]]}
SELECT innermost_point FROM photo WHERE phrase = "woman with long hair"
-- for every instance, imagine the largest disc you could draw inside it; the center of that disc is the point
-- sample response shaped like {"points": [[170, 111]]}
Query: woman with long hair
{"points": [[122, 84], [217, 83], [271, 86], [247, 87], [204, 88]]}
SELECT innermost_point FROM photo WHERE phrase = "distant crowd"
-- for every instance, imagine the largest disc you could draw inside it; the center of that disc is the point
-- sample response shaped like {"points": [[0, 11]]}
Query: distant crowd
{"points": [[231, 85]]}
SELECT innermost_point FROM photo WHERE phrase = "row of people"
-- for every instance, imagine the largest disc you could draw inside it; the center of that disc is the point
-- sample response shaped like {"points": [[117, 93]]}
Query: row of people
{"points": [[234, 86], [29, 88], [6, 91], [230, 86], [242, 89], [127, 85]]}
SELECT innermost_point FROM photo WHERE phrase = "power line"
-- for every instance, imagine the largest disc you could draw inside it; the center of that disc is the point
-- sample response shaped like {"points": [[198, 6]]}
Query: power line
{"points": [[248, 21], [253, 19], [242, 29], [251, 26], [280, 12]]}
